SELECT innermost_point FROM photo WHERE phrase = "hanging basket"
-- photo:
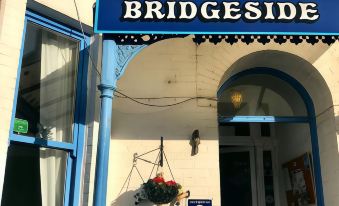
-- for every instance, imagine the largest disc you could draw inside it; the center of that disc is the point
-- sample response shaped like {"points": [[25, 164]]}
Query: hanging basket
{"points": [[156, 190], [160, 192]]}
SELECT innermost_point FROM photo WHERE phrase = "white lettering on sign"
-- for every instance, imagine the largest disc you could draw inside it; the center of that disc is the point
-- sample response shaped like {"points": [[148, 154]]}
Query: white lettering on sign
{"points": [[285, 8], [132, 10], [308, 11], [232, 10], [188, 6], [249, 11]]}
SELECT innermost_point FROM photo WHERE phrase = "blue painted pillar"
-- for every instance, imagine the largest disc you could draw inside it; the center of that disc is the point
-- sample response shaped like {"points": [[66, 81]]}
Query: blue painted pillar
{"points": [[107, 87]]}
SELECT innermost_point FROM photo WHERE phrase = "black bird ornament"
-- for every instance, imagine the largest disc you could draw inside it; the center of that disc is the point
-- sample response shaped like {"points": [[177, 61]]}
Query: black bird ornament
{"points": [[195, 141]]}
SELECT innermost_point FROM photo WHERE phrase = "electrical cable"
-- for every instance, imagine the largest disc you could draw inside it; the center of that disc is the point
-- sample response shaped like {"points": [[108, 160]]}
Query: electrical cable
{"points": [[164, 105], [84, 38], [124, 95]]}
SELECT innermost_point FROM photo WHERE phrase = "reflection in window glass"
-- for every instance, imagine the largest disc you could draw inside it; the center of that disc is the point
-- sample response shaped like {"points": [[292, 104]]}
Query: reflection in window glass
{"points": [[46, 93], [34, 176], [268, 178]]}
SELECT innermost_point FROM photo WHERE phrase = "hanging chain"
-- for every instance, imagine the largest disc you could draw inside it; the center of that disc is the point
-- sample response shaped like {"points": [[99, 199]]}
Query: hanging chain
{"points": [[158, 162]]}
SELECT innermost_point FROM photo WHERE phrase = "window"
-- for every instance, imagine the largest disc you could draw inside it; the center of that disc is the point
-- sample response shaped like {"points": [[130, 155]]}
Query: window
{"points": [[265, 129], [45, 154], [261, 95], [46, 93], [234, 129]]}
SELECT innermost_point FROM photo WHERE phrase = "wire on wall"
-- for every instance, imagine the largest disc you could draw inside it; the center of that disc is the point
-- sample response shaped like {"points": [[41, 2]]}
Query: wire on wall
{"points": [[136, 100], [84, 38]]}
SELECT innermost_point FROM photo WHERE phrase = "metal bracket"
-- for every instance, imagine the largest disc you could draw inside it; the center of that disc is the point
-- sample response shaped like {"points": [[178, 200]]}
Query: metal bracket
{"points": [[125, 54]]}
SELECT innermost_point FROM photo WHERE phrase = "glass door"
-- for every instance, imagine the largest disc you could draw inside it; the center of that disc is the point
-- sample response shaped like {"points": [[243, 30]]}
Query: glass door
{"points": [[237, 176]]}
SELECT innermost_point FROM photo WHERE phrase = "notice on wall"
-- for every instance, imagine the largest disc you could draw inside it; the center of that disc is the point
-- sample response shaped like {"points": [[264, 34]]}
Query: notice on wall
{"points": [[299, 185], [20, 126], [199, 202]]}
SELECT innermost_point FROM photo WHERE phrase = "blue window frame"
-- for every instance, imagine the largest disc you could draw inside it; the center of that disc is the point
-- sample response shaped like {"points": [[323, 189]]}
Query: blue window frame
{"points": [[75, 149]]}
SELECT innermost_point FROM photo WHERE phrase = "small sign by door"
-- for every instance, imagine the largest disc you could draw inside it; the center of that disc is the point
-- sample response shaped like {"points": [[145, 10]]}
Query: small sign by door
{"points": [[20, 126], [198, 202]]}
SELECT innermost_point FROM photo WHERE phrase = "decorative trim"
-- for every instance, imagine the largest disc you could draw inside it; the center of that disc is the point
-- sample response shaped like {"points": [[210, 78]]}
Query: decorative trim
{"points": [[264, 39], [141, 39], [125, 54], [147, 39]]}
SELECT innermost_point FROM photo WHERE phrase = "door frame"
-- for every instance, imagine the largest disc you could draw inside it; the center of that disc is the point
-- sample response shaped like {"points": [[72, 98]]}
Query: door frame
{"points": [[310, 119], [259, 144]]}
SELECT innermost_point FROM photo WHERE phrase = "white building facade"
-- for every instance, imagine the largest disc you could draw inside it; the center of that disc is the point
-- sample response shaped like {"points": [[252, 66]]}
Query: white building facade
{"points": [[50, 70]]}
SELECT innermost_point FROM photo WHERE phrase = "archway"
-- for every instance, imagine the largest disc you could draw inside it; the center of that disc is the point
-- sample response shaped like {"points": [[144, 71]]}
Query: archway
{"points": [[295, 106]]}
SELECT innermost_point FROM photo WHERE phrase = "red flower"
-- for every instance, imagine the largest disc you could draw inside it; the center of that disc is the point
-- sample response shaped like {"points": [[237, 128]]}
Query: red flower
{"points": [[171, 183], [158, 180]]}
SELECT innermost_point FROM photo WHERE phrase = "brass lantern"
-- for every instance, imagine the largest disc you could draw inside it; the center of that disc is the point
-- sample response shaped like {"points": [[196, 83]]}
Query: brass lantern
{"points": [[236, 98]]}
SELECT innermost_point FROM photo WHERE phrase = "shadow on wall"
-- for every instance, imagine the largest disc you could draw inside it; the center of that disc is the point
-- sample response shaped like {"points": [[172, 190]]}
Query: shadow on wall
{"points": [[128, 198]]}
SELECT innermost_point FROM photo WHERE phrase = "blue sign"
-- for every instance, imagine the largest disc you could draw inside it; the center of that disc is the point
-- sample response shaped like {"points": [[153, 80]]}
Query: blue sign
{"points": [[199, 202], [289, 17]]}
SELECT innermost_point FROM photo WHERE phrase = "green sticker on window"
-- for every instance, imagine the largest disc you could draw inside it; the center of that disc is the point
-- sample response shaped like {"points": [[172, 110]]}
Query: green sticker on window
{"points": [[20, 126]]}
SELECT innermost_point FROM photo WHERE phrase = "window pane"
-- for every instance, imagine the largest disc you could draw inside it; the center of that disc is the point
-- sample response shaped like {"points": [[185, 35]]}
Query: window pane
{"points": [[235, 179], [265, 129], [260, 95], [268, 178], [234, 129], [46, 93], [34, 176]]}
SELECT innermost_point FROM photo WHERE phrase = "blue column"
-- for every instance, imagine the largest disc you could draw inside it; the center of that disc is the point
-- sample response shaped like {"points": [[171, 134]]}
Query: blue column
{"points": [[107, 86]]}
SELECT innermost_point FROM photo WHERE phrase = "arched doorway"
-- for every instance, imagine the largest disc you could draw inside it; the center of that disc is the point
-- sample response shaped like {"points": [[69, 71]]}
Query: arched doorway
{"points": [[267, 122]]}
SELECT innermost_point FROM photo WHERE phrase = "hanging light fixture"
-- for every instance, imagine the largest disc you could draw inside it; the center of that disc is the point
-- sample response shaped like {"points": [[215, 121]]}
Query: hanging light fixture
{"points": [[236, 98]]}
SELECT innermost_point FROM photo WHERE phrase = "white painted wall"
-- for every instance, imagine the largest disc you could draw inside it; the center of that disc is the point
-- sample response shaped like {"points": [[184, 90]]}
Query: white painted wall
{"points": [[12, 15], [294, 140], [163, 69], [67, 8], [178, 68]]}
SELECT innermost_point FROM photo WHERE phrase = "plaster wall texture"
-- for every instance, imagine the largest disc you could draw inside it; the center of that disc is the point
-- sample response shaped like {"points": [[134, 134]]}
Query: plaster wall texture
{"points": [[67, 8], [12, 15], [178, 68]]}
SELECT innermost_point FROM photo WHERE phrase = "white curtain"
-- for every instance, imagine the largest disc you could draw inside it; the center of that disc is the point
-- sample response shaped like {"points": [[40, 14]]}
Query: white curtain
{"points": [[58, 68]]}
